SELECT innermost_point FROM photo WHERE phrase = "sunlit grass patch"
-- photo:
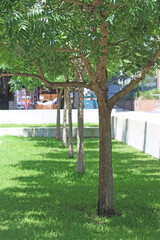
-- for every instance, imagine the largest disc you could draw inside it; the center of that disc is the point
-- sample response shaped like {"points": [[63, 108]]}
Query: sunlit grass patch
{"points": [[44, 125], [42, 197]]}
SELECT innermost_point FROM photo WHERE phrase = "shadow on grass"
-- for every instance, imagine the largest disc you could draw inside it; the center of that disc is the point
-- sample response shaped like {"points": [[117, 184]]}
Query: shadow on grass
{"points": [[52, 202]]}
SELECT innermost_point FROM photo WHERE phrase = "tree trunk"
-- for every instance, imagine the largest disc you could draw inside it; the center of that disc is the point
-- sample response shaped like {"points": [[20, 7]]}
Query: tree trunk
{"points": [[80, 147], [64, 135], [70, 135], [105, 195], [58, 130]]}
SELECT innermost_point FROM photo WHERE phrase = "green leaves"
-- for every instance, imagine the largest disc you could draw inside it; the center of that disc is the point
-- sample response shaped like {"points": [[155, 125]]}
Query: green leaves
{"points": [[110, 18], [33, 32], [34, 12], [24, 25]]}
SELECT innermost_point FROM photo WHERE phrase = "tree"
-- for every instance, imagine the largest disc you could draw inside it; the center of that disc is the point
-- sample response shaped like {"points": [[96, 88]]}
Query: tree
{"points": [[64, 134], [102, 33], [70, 134], [79, 69], [58, 126]]}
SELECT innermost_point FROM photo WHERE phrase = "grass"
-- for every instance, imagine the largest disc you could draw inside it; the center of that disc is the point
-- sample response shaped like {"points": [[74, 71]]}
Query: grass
{"points": [[42, 197], [43, 125]]}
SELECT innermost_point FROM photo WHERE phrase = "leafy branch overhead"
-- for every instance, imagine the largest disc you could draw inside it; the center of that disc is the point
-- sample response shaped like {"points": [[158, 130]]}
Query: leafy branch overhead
{"points": [[37, 31]]}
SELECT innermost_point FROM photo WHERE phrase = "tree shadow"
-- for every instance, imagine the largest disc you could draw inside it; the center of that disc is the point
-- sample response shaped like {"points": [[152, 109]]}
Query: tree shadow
{"points": [[46, 202]]}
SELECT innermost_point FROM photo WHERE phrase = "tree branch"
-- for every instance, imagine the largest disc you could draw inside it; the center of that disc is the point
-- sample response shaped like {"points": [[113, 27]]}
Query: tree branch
{"points": [[89, 69], [69, 84], [114, 6], [135, 81], [75, 68], [73, 58], [20, 75], [41, 72], [101, 65], [68, 50], [48, 83], [62, 84], [82, 4], [97, 2], [90, 7], [118, 43]]}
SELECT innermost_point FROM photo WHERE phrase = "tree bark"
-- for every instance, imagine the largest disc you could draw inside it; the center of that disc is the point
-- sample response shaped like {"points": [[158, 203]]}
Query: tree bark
{"points": [[98, 79], [47, 82], [79, 69], [58, 130], [80, 145], [70, 134], [64, 134], [105, 195]]}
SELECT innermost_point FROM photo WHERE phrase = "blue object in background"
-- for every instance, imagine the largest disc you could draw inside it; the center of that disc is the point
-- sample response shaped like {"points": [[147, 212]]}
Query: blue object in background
{"points": [[90, 104], [54, 101]]}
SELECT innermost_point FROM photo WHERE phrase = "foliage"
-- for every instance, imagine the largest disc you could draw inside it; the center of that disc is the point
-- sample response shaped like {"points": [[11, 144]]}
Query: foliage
{"points": [[42, 197], [23, 46], [148, 94], [33, 32], [16, 83]]}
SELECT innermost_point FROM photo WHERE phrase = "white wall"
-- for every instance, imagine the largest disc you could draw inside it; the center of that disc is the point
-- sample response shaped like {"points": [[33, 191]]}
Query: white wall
{"points": [[43, 116], [141, 131]]}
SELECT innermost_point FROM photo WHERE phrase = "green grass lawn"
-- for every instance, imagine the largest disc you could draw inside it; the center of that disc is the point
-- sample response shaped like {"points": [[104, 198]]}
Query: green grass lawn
{"points": [[42, 197], [44, 125], [26, 125]]}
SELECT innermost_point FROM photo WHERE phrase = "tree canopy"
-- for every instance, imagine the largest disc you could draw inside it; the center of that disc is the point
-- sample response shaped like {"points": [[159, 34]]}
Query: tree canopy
{"points": [[48, 33]]}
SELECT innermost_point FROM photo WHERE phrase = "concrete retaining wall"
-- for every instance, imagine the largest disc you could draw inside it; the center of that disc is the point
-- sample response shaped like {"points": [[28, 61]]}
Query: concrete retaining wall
{"points": [[141, 131], [45, 132]]}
